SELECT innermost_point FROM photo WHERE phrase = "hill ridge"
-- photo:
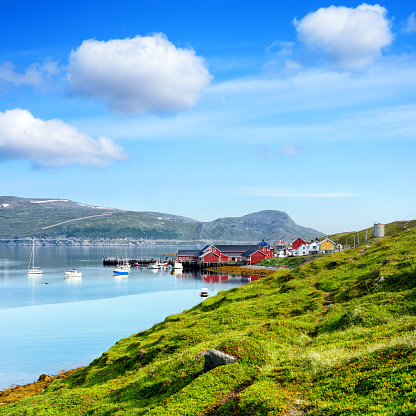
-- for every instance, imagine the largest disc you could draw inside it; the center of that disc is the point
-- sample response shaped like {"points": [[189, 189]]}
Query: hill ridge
{"points": [[63, 218]]}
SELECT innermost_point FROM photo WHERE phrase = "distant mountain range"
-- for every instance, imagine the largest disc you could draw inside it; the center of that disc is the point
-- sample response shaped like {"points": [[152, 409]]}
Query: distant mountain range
{"points": [[65, 219]]}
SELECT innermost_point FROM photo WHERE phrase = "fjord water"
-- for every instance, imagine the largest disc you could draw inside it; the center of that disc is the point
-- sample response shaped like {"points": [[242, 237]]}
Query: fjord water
{"points": [[49, 323]]}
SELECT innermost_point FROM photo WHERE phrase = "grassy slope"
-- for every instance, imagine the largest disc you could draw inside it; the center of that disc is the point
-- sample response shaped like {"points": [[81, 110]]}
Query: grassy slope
{"points": [[335, 336], [347, 239]]}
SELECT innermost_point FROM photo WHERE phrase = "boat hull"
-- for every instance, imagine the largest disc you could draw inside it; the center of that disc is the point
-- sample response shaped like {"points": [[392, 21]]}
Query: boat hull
{"points": [[34, 272], [72, 273]]}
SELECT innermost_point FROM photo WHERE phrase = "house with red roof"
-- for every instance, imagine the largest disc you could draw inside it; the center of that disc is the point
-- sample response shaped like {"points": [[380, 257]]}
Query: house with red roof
{"points": [[299, 241]]}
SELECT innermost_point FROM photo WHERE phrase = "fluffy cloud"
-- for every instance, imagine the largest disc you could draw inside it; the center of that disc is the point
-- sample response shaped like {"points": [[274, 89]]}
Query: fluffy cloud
{"points": [[36, 75], [348, 38], [51, 143], [138, 75]]}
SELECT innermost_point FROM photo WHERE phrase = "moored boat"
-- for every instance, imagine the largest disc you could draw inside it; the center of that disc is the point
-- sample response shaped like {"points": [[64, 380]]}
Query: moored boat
{"points": [[122, 269], [33, 270], [178, 265], [158, 265], [73, 273], [204, 292]]}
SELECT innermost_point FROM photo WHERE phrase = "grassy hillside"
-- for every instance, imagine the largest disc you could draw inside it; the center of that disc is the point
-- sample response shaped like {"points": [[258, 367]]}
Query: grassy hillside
{"points": [[335, 336], [359, 237]]}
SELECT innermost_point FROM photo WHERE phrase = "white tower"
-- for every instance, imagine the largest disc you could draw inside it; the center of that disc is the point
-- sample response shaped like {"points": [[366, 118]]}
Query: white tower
{"points": [[378, 230]]}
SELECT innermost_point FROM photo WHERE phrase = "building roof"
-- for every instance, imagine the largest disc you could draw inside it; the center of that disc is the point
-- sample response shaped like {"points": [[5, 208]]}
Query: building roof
{"points": [[236, 249], [327, 239], [193, 253], [298, 238], [264, 244], [206, 253], [249, 253]]}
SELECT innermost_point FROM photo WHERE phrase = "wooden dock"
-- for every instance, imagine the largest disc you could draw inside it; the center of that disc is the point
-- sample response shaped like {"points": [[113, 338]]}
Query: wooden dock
{"points": [[114, 261], [187, 265]]}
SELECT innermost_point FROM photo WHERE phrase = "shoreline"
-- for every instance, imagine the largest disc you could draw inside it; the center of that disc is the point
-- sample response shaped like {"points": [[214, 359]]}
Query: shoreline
{"points": [[18, 392], [102, 242], [248, 270]]}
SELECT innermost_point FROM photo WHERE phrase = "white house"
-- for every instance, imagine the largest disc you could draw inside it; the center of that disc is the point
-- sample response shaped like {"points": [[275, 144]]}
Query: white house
{"points": [[314, 247], [282, 253], [303, 250]]}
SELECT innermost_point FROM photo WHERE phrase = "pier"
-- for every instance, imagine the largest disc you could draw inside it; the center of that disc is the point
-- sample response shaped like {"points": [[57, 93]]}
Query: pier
{"points": [[187, 265], [114, 261]]}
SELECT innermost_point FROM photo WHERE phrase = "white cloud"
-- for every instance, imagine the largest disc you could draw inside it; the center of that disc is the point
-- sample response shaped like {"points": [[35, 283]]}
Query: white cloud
{"points": [[281, 48], [410, 26], [51, 143], [138, 75], [290, 149], [36, 75], [313, 106], [347, 38]]}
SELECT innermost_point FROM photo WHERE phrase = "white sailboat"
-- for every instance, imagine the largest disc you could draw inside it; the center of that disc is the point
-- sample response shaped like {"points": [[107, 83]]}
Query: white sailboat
{"points": [[32, 269]]}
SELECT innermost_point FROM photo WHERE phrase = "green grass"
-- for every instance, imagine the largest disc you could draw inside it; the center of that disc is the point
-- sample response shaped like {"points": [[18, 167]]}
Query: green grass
{"points": [[290, 262], [366, 236], [336, 336]]}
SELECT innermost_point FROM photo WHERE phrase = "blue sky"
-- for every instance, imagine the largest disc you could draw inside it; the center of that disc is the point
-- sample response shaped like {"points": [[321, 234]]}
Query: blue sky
{"points": [[212, 109]]}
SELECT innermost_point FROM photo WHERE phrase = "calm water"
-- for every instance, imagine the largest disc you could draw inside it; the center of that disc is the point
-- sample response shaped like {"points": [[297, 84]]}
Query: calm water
{"points": [[66, 323]]}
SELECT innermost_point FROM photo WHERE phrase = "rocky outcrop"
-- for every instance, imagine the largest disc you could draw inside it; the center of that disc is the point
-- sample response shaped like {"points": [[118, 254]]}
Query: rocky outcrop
{"points": [[215, 358]]}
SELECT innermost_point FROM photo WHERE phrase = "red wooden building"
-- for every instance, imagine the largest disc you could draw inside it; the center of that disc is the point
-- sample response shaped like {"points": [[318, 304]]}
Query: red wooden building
{"points": [[190, 256], [254, 256], [223, 253], [298, 242], [219, 253]]}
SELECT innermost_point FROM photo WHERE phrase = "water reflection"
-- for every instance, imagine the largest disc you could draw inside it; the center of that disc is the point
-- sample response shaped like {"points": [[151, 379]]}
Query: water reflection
{"points": [[73, 280], [49, 323], [34, 279]]}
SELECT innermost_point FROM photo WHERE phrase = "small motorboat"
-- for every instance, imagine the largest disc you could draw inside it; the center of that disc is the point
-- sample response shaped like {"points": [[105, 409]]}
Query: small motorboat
{"points": [[158, 265], [73, 273], [204, 292], [122, 269], [178, 265]]}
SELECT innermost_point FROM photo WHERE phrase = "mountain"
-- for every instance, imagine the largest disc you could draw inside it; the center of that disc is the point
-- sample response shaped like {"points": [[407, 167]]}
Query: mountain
{"points": [[53, 218], [269, 225]]}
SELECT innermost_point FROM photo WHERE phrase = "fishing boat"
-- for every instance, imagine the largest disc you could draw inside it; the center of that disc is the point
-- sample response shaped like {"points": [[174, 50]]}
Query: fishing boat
{"points": [[178, 265], [32, 269], [204, 292], [72, 273], [158, 265], [121, 270]]}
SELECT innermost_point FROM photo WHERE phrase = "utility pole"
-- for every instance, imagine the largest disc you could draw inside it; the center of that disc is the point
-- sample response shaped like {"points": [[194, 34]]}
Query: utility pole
{"points": [[354, 240]]}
